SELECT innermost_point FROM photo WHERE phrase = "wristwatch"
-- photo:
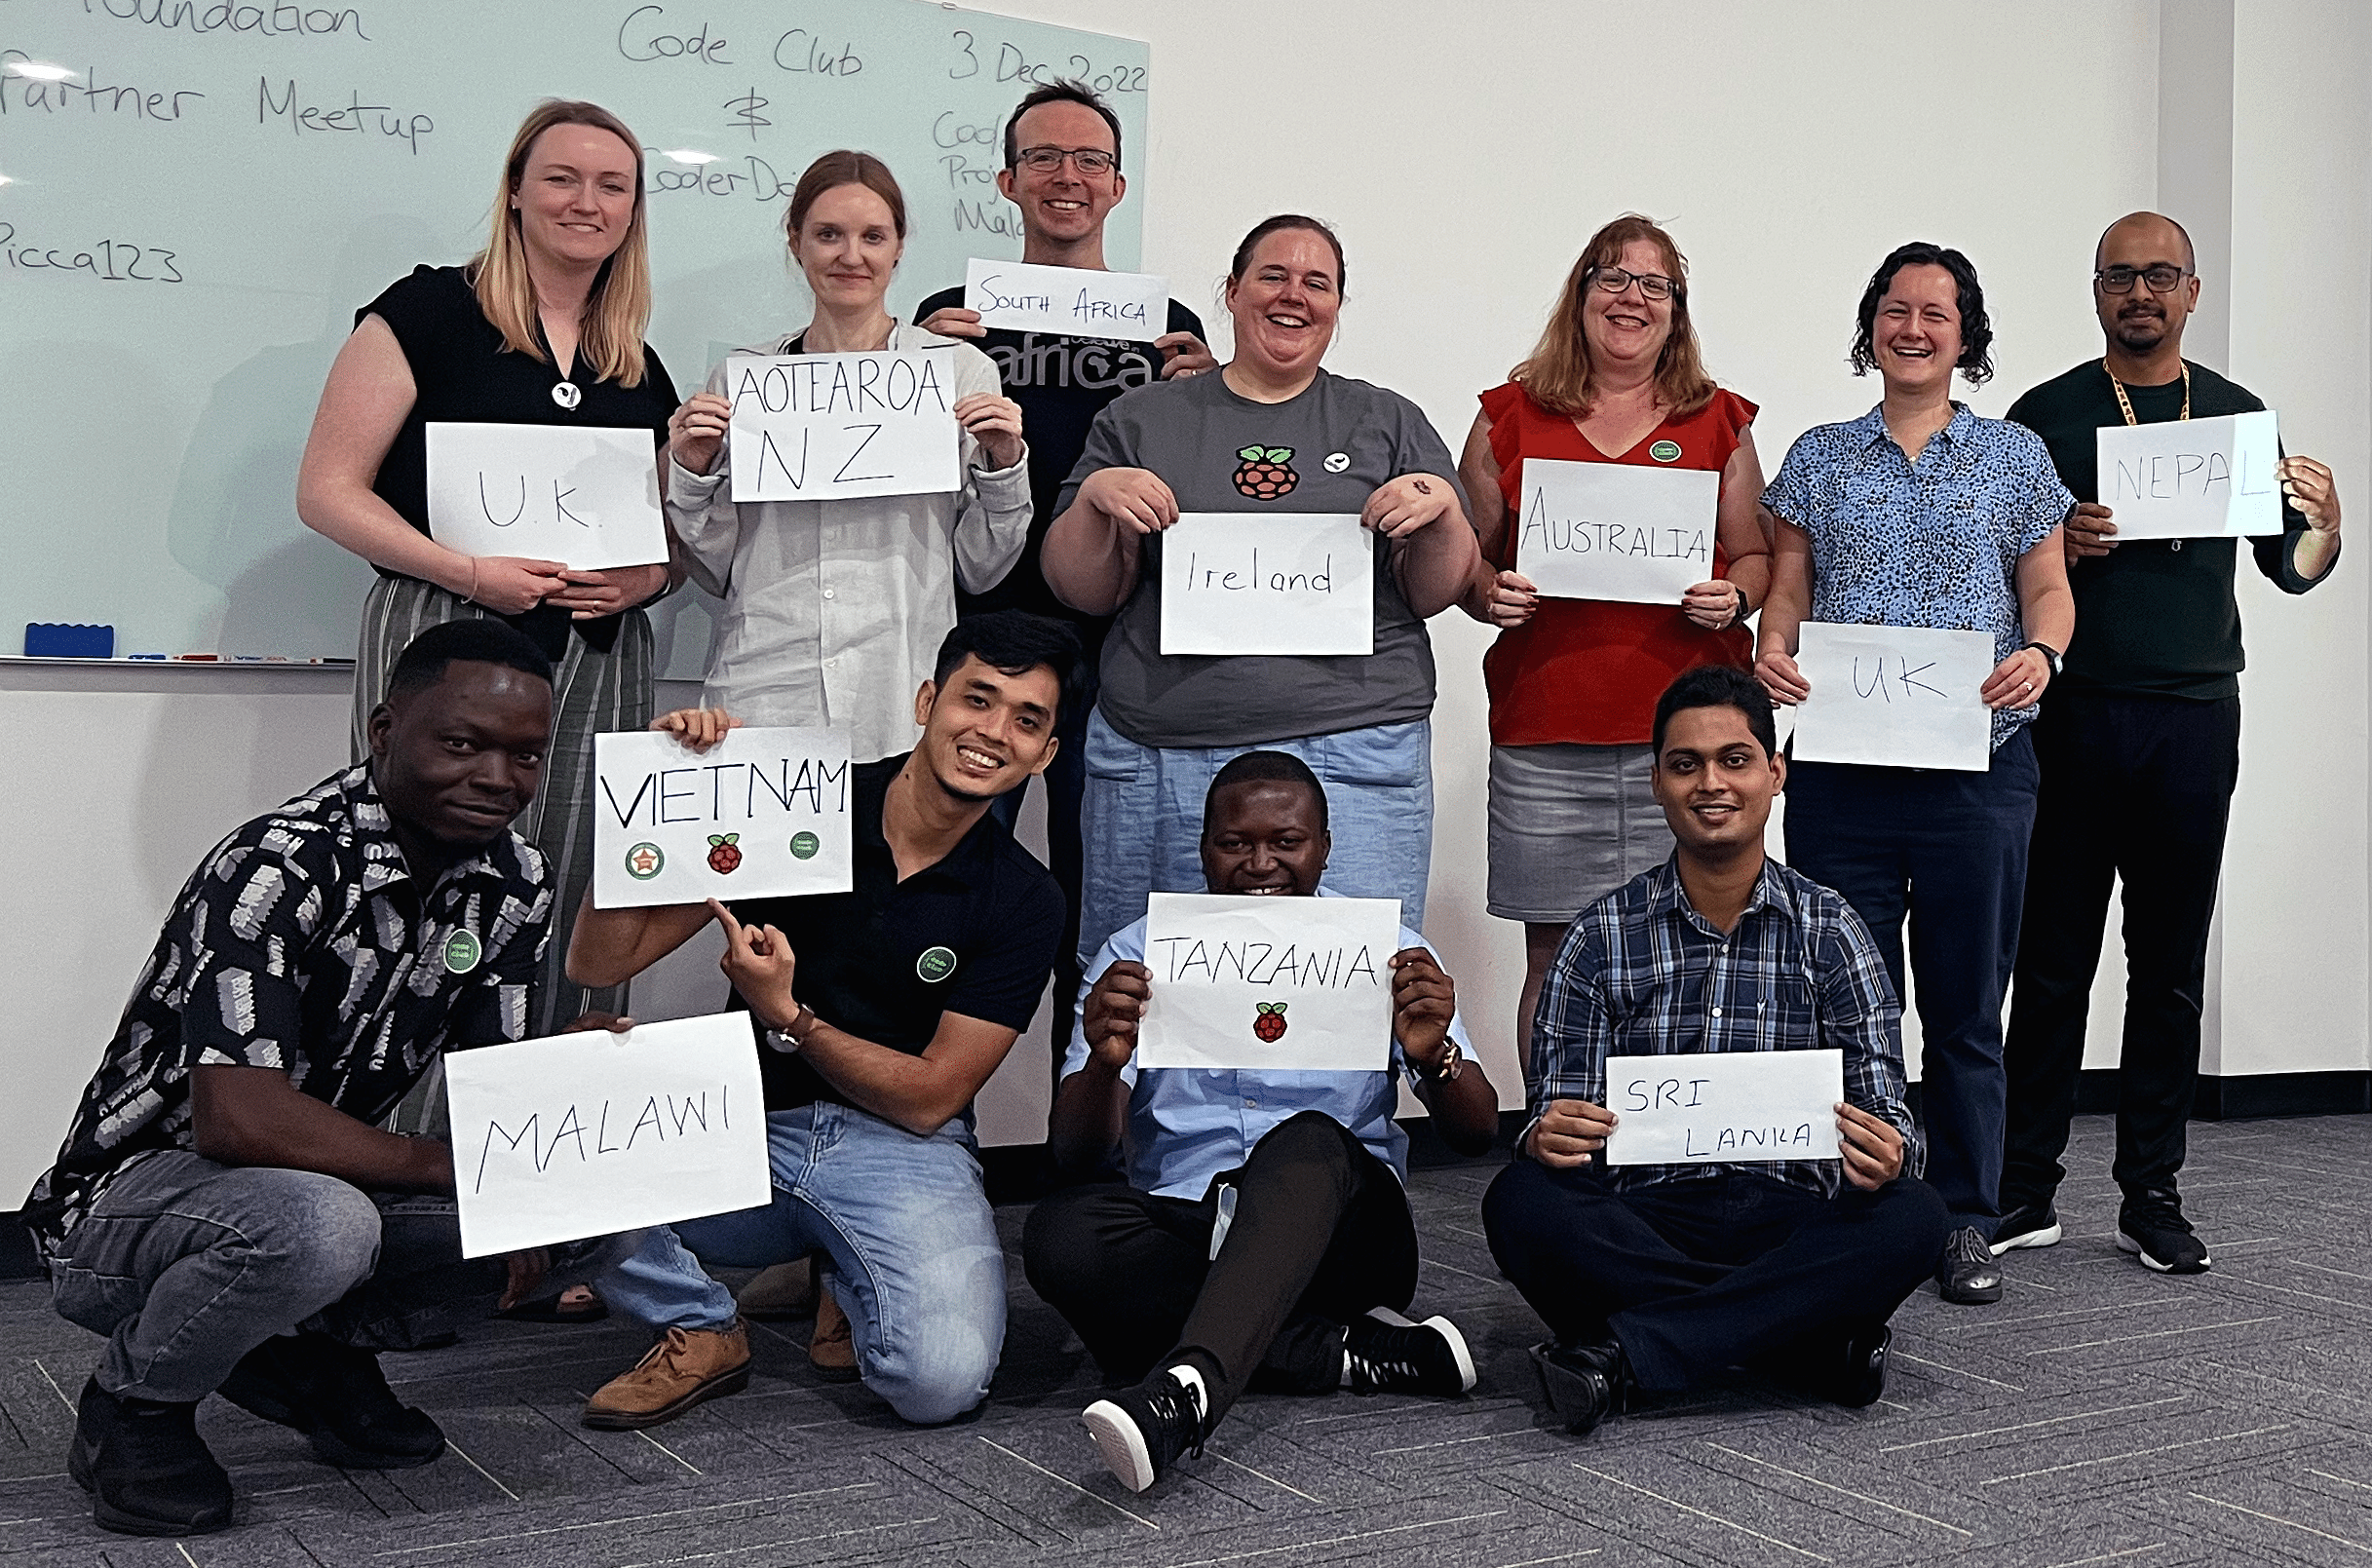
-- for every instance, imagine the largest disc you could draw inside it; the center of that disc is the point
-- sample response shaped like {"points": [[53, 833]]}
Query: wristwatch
{"points": [[2050, 655], [1451, 1065], [789, 1039]]}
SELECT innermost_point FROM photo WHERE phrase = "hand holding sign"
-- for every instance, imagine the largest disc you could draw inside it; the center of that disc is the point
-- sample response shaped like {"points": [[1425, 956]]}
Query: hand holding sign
{"points": [[1871, 1146], [1113, 1012], [1399, 508]]}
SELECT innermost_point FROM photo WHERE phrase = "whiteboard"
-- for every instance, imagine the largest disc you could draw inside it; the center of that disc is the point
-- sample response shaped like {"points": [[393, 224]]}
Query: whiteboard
{"points": [[154, 399]]}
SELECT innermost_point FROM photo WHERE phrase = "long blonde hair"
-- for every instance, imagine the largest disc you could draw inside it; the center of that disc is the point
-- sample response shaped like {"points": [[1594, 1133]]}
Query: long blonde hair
{"points": [[1557, 374], [617, 309]]}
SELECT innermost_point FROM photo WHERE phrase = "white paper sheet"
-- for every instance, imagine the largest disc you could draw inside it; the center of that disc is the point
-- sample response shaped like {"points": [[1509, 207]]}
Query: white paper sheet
{"points": [[1616, 530], [1276, 984], [828, 427], [585, 1134], [2192, 478], [763, 813], [584, 495], [1070, 301], [1895, 696], [1723, 1107], [1268, 582]]}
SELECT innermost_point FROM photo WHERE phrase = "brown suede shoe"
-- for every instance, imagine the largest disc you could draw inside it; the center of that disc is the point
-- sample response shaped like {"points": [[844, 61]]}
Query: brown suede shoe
{"points": [[786, 1290], [687, 1366], [833, 1352]]}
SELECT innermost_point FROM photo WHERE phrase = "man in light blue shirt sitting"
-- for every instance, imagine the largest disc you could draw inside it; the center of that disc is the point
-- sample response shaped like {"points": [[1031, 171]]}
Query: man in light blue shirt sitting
{"points": [[1263, 1229]]}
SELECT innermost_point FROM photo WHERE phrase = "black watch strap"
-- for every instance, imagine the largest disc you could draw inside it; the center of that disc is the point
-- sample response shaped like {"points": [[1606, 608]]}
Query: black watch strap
{"points": [[2050, 655]]}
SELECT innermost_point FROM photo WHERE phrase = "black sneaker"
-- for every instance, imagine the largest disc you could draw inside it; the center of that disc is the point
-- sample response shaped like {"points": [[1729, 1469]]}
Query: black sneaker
{"points": [[2028, 1225], [1968, 1275], [337, 1396], [1141, 1432], [2153, 1229], [146, 1468], [1385, 1353], [1584, 1382]]}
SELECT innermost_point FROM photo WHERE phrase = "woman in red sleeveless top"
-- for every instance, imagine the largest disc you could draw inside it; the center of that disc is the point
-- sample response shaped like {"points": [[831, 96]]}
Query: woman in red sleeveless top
{"points": [[1615, 378]]}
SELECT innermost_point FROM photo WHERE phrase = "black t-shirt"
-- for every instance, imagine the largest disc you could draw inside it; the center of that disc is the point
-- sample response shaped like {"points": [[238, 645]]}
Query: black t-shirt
{"points": [[974, 935], [462, 374], [1061, 384], [2153, 617]]}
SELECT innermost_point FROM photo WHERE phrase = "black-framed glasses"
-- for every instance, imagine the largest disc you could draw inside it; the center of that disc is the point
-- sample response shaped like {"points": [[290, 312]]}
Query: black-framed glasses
{"points": [[1087, 160], [2163, 278], [1614, 280]]}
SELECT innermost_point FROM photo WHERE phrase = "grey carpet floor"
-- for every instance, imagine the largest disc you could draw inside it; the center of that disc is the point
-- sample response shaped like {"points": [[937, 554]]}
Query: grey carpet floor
{"points": [[2100, 1414]]}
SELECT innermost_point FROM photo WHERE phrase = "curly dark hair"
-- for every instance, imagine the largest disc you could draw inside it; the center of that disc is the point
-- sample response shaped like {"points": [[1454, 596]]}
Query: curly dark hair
{"points": [[1976, 326]]}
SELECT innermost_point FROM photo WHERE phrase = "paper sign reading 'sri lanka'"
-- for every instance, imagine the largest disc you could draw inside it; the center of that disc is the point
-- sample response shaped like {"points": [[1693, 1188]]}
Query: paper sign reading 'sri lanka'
{"points": [[1271, 983], [1895, 696], [2192, 478], [761, 814], [1616, 530], [1072, 301], [1723, 1107], [586, 496], [1268, 582], [826, 427]]}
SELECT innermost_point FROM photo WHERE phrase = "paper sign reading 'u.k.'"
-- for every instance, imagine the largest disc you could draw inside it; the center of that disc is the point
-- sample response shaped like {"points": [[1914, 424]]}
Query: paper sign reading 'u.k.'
{"points": [[1616, 530], [1268, 582], [829, 427], [761, 814], [2192, 478], [1274, 984], [587, 497], [1721, 1107], [1895, 696]]}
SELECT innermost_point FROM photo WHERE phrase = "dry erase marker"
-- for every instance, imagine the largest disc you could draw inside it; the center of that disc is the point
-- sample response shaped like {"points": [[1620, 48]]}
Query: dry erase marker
{"points": [[147, 656], [198, 658]]}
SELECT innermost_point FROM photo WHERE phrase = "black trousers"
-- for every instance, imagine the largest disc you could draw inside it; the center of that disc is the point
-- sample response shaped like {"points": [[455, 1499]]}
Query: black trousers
{"points": [[2138, 787], [1724, 1271], [1322, 1233]]}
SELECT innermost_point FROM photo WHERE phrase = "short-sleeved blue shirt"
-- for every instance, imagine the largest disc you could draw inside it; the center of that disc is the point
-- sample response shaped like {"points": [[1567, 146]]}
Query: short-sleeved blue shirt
{"points": [[1933, 543]]}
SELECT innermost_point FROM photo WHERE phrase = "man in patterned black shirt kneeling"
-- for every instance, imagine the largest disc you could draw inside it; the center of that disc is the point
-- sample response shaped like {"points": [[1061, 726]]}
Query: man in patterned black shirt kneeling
{"points": [[224, 1209], [1655, 1276]]}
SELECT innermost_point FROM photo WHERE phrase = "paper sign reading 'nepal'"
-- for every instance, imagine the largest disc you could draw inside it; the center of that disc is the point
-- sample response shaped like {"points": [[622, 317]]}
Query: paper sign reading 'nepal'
{"points": [[1268, 582], [1895, 696], [1069, 302], [764, 813], [585, 496], [1270, 983], [1723, 1107], [829, 427], [1616, 530], [2192, 478]]}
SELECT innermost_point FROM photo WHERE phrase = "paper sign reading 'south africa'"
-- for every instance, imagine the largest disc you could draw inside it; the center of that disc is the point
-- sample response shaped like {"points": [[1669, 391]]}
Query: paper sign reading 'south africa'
{"points": [[1893, 696], [1271, 983], [587, 496], [1268, 582], [829, 427], [2192, 478], [1720, 1106], [1616, 530], [762, 814], [1073, 301], [592, 1133]]}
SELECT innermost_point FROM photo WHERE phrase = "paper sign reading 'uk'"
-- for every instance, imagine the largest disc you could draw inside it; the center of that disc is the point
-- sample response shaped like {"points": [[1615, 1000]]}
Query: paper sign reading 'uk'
{"points": [[762, 814], [586, 496], [1616, 530], [829, 427], [2192, 478], [1268, 582], [1271, 983], [1073, 301], [591, 1133], [1895, 696], [1721, 1107]]}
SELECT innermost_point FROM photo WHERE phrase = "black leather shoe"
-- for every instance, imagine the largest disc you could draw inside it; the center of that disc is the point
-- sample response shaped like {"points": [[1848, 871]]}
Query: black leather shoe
{"points": [[1141, 1432], [1861, 1375], [337, 1396], [146, 1468], [2034, 1224], [1967, 1275], [1586, 1383]]}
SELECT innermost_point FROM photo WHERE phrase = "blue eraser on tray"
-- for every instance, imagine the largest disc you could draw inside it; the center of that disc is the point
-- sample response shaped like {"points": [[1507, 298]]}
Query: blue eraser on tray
{"points": [[58, 641]]}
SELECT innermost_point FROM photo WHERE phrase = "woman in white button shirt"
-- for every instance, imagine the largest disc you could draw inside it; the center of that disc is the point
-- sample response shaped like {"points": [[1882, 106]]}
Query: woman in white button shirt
{"points": [[834, 609]]}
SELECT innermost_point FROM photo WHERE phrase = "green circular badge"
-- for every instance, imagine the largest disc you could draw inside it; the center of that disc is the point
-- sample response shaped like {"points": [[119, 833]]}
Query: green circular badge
{"points": [[935, 964], [1665, 451], [805, 845], [644, 861], [462, 951]]}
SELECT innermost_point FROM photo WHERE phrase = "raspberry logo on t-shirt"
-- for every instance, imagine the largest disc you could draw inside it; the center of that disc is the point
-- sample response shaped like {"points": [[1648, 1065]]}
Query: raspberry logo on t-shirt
{"points": [[1266, 472]]}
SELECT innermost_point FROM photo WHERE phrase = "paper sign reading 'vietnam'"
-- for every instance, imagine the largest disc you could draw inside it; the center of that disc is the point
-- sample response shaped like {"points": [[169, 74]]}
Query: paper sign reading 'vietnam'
{"points": [[1072, 301], [1722, 1106], [1268, 582], [586, 496], [2192, 478], [828, 427], [1616, 530], [590, 1133], [761, 814], [1895, 696], [1271, 983]]}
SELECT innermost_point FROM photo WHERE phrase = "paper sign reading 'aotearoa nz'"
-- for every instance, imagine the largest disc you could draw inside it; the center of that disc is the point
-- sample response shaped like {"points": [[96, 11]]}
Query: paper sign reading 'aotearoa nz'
{"points": [[1273, 984], [592, 1133], [2192, 478], [1721, 1107], [586, 496], [761, 814], [1895, 696], [829, 427], [1616, 530], [1073, 301], [1268, 582]]}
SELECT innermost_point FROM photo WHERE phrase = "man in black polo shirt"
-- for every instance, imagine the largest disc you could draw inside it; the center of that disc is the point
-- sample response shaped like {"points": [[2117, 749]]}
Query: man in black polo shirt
{"points": [[2139, 744], [885, 1008]]}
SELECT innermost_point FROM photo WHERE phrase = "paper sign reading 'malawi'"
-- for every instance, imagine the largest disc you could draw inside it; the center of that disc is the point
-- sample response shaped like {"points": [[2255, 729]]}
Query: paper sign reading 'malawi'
{"points": [[1720, 1106], [587, 1135], [1895, 696], [761, 814], [827, 427], [1274, 984], [1616, 530], [1070, 301], [586, 496], [2192, 478], [1268, 582]]}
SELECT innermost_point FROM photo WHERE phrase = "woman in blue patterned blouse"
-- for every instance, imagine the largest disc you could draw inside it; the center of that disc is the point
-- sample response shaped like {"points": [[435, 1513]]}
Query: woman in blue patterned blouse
{"points": [[1920, 513]]}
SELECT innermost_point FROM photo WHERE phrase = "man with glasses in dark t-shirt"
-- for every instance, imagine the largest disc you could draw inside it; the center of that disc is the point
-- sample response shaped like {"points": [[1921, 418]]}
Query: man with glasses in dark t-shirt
{"points": [[2146, 714]]}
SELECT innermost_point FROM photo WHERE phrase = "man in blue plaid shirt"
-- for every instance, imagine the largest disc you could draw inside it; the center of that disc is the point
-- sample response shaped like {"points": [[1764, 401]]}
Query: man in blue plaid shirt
{"points": [[1656, 1277]]}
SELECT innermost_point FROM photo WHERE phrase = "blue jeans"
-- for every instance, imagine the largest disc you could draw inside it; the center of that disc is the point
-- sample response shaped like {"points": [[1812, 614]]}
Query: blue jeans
{"points": [[914, 1255], [1143, 819]]}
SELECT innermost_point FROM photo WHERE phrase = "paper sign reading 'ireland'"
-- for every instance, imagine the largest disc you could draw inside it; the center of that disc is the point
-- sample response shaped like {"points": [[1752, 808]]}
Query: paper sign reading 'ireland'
{"points": [[1721, 1107], [1271, 983], [761, 814], [1616, 530], [828, 427], [1895, 696], [1072, 301], [586, 496], [1268, 582], [2192, 478]]}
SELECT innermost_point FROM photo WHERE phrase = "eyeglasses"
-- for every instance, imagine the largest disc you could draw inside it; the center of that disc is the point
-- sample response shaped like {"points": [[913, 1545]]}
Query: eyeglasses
{"points": [[1614, 280], [2161, 278], [1087, 160]]}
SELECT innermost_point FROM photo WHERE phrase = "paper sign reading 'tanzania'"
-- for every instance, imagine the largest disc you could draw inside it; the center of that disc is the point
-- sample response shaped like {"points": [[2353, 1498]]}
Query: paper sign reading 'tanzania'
{"points": [[2192, 478], [592, 1133], [1073, 301], [1268, 582], [1722, 1106], [761, 814], [1616, 530], [1273, 984], [586, 496], [827, 427], [1895, 696]]}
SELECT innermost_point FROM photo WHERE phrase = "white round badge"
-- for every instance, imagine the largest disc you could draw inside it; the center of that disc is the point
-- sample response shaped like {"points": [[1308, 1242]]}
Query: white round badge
{"points": [[1336, 462], [566, 394]]}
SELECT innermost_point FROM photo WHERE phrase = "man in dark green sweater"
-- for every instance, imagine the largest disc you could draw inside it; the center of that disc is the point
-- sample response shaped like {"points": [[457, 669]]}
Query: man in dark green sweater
{"points": [[2147, 715]]}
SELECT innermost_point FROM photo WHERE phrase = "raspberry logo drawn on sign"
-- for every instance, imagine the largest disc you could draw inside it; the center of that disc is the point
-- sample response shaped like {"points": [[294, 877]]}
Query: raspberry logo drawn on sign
{"points": [[1266, 472], [644, 862], [724, 853], [1269, 1022]]}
